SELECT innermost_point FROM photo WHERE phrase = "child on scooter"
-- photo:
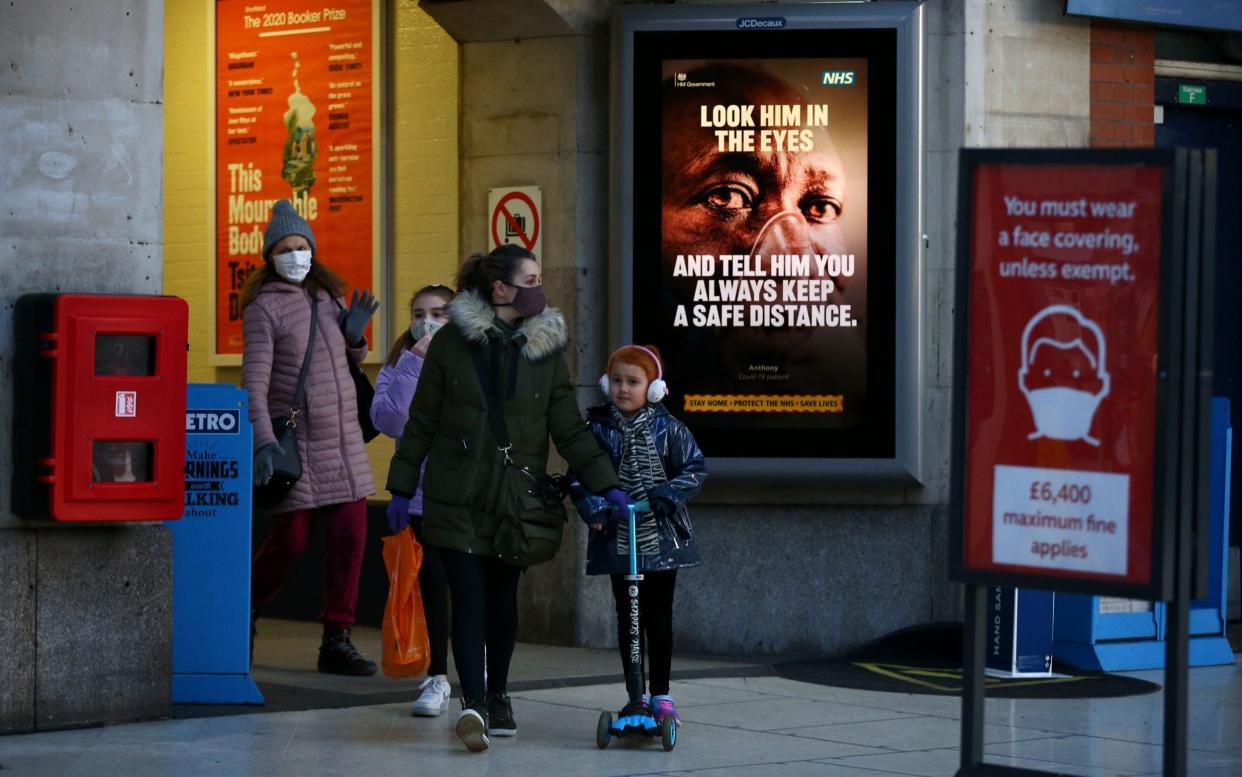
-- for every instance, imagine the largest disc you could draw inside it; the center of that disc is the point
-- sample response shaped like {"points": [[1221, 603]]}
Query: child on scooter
{"points": [[659, 462]]}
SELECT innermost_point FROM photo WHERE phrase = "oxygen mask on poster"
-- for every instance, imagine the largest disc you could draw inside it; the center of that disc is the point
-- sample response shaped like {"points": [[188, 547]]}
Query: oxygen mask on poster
{"points": [[789, 233]]}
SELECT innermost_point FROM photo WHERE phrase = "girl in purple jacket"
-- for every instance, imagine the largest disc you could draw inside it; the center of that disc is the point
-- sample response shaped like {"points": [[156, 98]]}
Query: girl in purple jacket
{"points": [[394, 388]]}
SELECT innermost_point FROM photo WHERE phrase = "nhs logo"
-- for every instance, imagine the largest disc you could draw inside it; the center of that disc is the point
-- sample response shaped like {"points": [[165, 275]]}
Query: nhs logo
{"points": [[212, 421], [837, 78]]}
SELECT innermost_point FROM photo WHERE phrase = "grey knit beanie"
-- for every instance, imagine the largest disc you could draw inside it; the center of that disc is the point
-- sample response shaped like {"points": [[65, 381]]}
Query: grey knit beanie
{"points": [[285, 222]]}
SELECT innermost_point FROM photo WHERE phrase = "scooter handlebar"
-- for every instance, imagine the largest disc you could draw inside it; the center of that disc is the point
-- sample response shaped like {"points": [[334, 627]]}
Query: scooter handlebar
{"points": [[641, 506]]}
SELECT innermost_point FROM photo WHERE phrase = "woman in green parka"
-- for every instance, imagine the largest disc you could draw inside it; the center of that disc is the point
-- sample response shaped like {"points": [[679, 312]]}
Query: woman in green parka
{"points": [[502, 347]]}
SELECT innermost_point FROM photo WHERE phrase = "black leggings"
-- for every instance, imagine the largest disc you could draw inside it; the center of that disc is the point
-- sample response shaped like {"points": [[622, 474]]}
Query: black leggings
{"points": [[433, 586], [484, 604], [655, 622]]}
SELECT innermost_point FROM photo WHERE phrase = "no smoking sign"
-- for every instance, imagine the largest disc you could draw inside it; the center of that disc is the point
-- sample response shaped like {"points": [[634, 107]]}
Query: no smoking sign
{"points": [[515, 218]]}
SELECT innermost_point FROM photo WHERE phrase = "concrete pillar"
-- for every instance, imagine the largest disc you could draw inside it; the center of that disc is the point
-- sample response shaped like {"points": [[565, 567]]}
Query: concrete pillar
{"points": [[945, 132], [81, 116], [103, 639], [998, 74], [86, 612], [17, 640], [1027, 73]]}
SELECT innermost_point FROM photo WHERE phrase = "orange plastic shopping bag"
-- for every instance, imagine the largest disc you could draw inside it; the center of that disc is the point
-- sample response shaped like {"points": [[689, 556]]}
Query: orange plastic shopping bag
{"points": [[406, 652]]}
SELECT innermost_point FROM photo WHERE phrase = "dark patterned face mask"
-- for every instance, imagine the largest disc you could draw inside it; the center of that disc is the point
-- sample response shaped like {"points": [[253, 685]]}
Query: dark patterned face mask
{"points": [[530, 301]]}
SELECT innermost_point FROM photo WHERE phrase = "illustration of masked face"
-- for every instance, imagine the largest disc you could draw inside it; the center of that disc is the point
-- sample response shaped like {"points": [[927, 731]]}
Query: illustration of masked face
{"points": [[1064, 382]]}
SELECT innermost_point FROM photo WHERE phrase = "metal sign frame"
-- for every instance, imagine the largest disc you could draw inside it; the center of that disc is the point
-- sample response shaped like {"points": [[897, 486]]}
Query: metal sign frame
{"points": [[1185, 375]]}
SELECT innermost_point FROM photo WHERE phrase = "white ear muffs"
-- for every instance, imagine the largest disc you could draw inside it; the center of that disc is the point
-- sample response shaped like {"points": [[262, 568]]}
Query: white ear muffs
{"points": [[656, 389]]}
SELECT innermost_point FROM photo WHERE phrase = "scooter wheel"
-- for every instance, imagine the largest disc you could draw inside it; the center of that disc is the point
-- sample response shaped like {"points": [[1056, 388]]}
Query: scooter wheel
{"points": [[603, 731], [668, 732]]}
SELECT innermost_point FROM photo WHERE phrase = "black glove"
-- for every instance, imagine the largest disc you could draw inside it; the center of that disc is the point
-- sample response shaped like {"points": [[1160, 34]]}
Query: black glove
{"points": [[263, 462], [362, 305]]}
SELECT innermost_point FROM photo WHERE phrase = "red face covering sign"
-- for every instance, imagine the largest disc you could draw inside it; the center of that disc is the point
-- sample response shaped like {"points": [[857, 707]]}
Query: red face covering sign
{"points": [[1061, 380]]}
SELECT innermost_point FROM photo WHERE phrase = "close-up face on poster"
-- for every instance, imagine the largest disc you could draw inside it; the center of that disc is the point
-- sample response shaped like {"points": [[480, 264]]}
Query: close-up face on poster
{"points": [[295, 115], [775, 298], [1064, 315]]}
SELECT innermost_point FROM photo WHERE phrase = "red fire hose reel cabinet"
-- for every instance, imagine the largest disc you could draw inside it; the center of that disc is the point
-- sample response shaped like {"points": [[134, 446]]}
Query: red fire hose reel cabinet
{"points": [[99, 407]]}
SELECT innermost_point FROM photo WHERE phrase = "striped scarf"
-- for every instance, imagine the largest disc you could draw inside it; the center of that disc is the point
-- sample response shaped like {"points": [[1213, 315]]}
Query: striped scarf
{"points": [[639, 472]]}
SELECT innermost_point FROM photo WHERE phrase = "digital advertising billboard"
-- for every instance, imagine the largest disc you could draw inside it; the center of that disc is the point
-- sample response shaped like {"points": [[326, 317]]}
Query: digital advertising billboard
{"points": [[766, 227]]}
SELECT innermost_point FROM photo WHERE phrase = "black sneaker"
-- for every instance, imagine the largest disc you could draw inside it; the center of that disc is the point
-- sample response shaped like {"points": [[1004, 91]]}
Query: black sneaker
{"points": [[471, 726], [337, 655], [639, 708], [500, 716]]}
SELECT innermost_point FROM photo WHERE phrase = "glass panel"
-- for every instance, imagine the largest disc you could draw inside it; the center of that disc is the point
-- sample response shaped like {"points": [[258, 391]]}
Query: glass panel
{"points": [[122, 461], [124, 354]]}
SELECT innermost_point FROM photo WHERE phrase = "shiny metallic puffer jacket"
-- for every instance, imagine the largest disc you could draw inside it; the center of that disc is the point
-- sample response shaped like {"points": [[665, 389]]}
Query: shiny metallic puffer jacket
{"points": [[685, 471]]}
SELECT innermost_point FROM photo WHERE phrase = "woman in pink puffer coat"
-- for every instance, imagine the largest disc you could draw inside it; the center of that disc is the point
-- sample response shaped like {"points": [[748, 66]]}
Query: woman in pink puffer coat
{"points": [[336, 474]]}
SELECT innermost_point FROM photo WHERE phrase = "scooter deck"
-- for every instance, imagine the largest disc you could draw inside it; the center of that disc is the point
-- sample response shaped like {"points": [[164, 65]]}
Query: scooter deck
{"points": [[634, 726]]}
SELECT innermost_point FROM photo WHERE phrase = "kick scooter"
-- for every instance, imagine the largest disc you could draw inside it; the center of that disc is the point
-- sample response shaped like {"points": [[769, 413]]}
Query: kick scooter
{"points": [[635, 720]]}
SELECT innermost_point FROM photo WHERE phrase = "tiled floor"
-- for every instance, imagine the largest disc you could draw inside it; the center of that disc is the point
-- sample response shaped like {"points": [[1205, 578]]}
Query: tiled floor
{"points": [[756, 726]]}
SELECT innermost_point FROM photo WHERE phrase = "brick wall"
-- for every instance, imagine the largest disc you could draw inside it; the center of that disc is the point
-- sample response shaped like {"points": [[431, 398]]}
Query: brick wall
{"points": [[1123, 79]]}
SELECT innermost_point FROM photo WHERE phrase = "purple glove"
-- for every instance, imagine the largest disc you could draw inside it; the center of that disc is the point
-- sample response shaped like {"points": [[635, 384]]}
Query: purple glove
{"points": [[398, 513], [620, 502]]}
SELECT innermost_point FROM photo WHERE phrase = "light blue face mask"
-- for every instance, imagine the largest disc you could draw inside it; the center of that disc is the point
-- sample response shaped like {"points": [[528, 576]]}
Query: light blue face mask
{"points": [[293, 266]]}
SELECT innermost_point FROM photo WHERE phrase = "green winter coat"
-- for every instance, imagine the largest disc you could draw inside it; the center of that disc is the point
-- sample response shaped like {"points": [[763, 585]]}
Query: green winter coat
{"points": [[449, 426]]}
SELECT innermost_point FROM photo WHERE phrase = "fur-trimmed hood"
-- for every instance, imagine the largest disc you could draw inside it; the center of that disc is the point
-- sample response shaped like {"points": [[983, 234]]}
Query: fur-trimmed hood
{"points": [[541, 336]]}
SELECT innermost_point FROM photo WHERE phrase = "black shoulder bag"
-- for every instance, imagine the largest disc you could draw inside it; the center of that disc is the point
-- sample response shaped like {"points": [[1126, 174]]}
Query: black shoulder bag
{"points": [[363, 390], [287, 466], [531, 506]]}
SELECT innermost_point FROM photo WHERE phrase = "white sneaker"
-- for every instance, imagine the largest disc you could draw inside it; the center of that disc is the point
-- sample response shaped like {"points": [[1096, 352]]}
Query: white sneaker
{"points": [[434, 698], [472, 730]]}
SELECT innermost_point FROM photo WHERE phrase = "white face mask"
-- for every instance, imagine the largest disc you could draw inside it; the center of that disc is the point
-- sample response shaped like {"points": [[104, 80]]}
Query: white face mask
{"points": [[423, 327], [293, 266], [1063, 413]]}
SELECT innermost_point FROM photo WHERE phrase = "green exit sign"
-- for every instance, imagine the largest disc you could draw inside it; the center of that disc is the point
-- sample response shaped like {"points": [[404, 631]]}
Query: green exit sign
{"points": [[1191, 94]]}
